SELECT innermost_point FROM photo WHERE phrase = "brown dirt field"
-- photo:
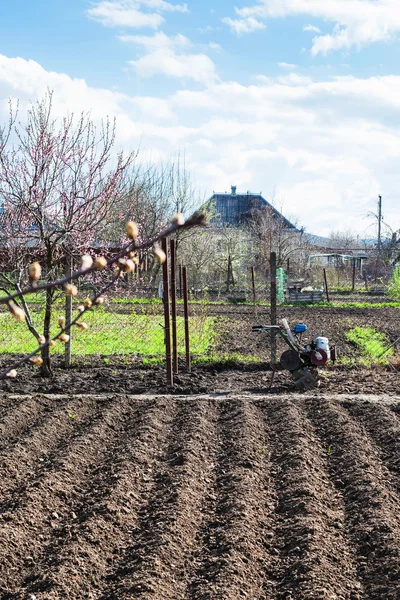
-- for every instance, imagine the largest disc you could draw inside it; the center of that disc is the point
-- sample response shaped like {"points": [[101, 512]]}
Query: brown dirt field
{"points": [[191, 498], [124, 375]]}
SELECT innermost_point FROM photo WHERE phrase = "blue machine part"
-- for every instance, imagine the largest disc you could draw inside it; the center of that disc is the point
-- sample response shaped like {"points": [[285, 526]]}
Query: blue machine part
{"points": [[300, 328]]}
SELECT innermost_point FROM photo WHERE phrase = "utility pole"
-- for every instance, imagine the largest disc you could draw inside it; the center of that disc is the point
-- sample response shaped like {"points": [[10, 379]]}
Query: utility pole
{"points": [[379, 222]]}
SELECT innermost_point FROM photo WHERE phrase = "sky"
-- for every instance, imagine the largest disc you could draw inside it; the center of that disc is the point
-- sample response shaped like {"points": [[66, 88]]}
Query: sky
{"points": [[298, 99]]}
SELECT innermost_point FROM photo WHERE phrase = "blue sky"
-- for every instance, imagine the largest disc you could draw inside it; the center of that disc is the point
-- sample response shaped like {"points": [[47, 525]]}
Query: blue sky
{"points": [[297, 98]]}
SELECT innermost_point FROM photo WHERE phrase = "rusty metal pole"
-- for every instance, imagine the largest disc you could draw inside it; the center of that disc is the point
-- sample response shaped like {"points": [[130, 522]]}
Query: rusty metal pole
{"points": [[167, 316], [326, 286], [272, 262], [186, 312], [172, 245], [180, 282], [253, 284], [353, 287]]}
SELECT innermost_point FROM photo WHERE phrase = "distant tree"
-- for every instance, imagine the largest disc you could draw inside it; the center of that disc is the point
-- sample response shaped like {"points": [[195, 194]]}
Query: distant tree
{"points": [[271, 234]]}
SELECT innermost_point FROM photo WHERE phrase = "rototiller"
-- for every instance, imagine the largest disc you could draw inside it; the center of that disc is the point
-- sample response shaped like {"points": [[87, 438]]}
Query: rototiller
{"points": [[302, 360]]}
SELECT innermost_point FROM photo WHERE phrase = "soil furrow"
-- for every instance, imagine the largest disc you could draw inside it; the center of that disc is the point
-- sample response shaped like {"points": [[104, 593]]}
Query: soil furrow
{"points": [[24, 460], [49, 501], [315, 557], [156, 562], [37, 454], [384, 429], [233, 553], [21, 418], [371, 506], [85, 552]]}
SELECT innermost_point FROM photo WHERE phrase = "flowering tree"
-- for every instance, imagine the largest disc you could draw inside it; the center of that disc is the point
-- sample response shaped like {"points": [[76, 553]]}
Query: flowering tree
{"points": [[123, 262], [59, 183]]}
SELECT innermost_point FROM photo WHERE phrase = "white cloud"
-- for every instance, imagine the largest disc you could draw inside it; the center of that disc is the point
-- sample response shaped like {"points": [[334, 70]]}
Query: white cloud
{"points": [[167, 56], [285, 65], [312, 28], [356, 22], [129, 13], [242, 26], [328, 147], [215, 46]]}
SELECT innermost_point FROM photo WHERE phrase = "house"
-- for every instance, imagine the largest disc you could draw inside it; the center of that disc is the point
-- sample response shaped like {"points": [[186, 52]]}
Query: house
{"points": [[235, 209]]}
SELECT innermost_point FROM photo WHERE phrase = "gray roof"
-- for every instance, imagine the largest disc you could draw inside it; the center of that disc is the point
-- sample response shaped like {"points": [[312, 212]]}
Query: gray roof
{"points": [[236, 209]]}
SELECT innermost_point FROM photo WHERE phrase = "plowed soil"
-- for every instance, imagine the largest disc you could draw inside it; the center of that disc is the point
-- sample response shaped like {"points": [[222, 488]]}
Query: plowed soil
{"points": [[194, 498]]}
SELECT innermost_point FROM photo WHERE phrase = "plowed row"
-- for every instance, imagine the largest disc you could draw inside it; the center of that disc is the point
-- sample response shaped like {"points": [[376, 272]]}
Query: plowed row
{"points": [[163, 498]]}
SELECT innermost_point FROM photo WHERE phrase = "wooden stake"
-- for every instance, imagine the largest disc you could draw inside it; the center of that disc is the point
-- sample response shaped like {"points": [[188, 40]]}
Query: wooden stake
{"points": [[167, 316], [326, 286], [253, 284], [186, 311], [180, 282], [172, 245]]}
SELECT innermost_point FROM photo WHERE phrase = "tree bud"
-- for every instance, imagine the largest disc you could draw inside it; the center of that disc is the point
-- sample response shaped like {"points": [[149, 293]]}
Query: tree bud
{"points": [[88, 303], [86, 262], [80, 308], [37, 360], [178, 219], [70, 289], [34, 270], [64, 338], [99, 300], [82, 325], [132, 230], [159, 254], [41, 340], [52, 343], [61, 322], [12, 373], [17, 312], [127, 265], [100, 262]]}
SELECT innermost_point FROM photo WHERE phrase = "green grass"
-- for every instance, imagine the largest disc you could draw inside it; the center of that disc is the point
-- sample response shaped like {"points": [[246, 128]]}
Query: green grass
{"points": [[393, 287], [371, 343], [111, 333], [373, 305]]}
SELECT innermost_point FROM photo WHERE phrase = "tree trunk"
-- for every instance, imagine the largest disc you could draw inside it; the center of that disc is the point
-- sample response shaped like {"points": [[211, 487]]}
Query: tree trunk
{"points": [[46, 366], [68, 310]]}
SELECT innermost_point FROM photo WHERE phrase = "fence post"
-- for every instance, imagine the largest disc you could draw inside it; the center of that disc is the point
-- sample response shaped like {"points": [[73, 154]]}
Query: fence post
{"points": [[353, 287], [326, 286], [253, 284], [68, 311], [186, 312], [172, 244], [180, 282], [272, 262], [167, 316]]}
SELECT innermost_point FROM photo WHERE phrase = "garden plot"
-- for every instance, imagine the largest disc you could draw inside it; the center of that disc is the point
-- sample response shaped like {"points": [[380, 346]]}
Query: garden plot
{"points": [[157, 497]]}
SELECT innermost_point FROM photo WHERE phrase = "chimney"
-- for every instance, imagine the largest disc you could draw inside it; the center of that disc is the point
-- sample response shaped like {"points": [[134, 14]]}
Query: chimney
{"points": [[233, 189]]}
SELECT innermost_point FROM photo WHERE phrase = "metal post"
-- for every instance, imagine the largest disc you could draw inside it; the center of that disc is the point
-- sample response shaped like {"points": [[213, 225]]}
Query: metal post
{"points": [[353, 287], [180, 282], [167, 316], [172, 245], [186, 312], [272, 262], [379, 222], [326, 286], [68, 311], [253, 284]]}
